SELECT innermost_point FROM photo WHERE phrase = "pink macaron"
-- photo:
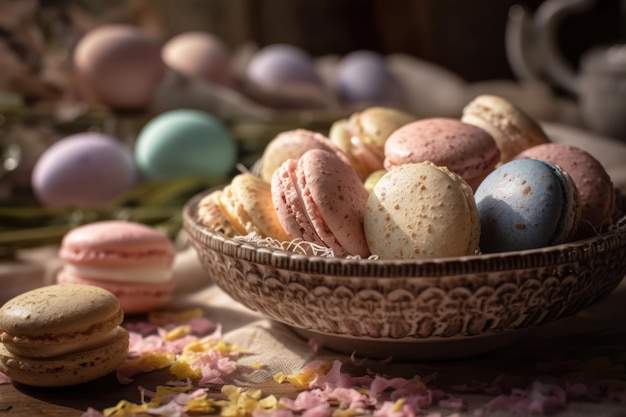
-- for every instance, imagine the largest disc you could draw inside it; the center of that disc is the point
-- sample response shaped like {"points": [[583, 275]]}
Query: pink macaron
{"points": [[319, 198], [597, 194], [464, 149], [131, 260]]}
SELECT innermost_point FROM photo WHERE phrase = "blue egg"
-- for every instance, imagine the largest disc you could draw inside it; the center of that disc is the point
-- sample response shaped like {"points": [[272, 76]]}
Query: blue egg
{"points": [[523, 204], [185, 143], [84, 170]]}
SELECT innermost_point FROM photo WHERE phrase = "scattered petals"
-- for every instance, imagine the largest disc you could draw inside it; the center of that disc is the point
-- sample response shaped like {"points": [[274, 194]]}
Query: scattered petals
{"points": [[4, 379]]}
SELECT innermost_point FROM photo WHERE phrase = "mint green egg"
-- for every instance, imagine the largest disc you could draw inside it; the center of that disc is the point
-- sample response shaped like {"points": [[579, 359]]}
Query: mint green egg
{"points": [[185, 143]]}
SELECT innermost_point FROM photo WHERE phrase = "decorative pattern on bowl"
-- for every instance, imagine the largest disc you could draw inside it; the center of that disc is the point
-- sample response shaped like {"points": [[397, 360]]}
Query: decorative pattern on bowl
{"points": [[416, 301]]}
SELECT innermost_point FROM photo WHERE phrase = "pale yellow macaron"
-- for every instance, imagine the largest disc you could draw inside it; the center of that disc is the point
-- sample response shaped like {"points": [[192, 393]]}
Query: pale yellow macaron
{"points": [[362, 136], [61, 334], [421, 211], [244, 206], [511, 128]]}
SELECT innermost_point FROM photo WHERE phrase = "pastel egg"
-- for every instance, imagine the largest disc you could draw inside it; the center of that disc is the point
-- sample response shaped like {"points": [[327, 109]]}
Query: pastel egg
{"points": [[200, 55], [279, 64], [120, 64], [364, 77], [185, 143], [84, 170], [526, 204]]}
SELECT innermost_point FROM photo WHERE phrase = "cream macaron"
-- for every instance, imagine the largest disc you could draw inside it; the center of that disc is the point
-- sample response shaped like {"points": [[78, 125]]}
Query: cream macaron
{"points": [[243, 206], [60, 335], [511, 128], [362, 136], [421, 211]]}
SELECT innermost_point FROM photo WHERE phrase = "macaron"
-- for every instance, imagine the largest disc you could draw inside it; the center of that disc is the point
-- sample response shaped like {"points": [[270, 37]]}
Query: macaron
{"points": [[60, 335], [512, 128], [421, 211], [291, 144], [320, 199], [464, 149], [362, 136], [527, 204], [131, 260], [242, 207], [597, 194]]}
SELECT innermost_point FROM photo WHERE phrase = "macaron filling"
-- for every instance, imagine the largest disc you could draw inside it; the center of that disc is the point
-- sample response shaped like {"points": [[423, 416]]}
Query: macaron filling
{"points": [[55, 350], [568, 220], [136, 274]]}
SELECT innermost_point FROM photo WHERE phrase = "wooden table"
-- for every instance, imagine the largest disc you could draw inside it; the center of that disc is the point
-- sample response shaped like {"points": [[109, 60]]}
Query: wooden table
{"points": [[599, 331]]}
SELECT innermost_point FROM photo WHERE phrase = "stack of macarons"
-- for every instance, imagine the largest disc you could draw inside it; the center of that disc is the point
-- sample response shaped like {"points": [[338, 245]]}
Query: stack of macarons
{"points": [[131, 260], [387, 185], [60, 335]]}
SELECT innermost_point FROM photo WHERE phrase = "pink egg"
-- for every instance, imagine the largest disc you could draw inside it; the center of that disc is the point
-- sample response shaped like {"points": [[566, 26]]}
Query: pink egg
{"points": [[121, 64], [200, 55], [85, 170]]}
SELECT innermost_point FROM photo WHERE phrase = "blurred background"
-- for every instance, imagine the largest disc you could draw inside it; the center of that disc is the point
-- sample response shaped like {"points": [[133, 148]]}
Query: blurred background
{"points": [[437, 55], [467, 37]]}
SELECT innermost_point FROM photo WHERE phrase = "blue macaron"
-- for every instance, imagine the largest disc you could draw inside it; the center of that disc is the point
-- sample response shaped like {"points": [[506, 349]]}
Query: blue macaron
{"points": [[526, 204]]}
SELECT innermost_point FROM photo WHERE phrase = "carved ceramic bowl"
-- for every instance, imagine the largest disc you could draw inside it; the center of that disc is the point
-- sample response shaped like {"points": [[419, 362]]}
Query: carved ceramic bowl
{"points": [[428, 309]]}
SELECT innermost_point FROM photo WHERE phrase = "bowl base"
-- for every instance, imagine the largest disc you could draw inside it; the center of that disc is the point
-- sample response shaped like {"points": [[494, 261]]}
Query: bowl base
{"points": [[433, 349]]}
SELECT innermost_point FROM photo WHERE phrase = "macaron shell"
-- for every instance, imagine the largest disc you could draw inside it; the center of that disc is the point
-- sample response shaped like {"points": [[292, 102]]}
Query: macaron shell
{"points": [[132, 297], [116, 243], [70, 369], [512, 129], [597, 194], [58, 313], [465, 149], [421, 211], [289, 206]]}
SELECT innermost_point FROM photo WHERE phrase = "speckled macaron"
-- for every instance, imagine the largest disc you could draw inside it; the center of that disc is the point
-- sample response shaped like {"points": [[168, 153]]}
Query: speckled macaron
{"points": [[597, 194], [465, 149], [512, 129], [421, 211], [527, 204]]}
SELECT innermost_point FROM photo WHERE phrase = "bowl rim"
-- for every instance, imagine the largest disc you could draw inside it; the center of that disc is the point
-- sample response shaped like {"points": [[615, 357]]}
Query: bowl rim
{"points": [[545, 257]]}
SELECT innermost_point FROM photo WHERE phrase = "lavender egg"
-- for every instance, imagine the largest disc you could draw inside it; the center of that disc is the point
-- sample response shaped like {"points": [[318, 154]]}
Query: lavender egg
{"points": [[279, 64], [86, 170], [364, 77]]}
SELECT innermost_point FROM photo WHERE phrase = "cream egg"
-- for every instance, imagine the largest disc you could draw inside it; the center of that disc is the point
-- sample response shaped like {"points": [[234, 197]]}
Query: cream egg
{"points": [[200, 55], [121, 64]]}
